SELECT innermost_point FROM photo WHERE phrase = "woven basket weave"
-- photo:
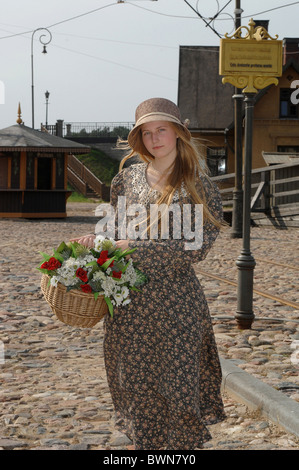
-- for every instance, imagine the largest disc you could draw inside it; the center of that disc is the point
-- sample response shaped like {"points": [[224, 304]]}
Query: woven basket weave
{"points": [[75, 308]]}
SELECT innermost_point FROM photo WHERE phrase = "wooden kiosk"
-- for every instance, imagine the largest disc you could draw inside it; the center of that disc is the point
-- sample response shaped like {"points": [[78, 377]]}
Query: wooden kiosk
{"points": [[33, 172]]}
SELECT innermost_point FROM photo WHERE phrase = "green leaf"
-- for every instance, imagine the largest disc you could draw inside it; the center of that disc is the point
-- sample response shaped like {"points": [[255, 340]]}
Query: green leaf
{"points": [[82, 250], [124, 267], [75, 286], [58, 256], [92, 263], [45, 271], [110, 306], [108, 262], [73, 247], [62, 247], [135, 288], [95, 253], [141, 277], [45, 256], [96, 295], [128, 252]]}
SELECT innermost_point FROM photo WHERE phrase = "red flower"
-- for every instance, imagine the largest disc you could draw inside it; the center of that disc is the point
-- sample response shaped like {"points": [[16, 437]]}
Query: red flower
{"points": [[86, 288], [103, 258], [82, 274], [116, 274], [51, 265]]}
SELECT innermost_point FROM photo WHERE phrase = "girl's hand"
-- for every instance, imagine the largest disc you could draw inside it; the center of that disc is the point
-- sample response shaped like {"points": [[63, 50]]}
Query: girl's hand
{"points": [[86, 240], [123, 245]]}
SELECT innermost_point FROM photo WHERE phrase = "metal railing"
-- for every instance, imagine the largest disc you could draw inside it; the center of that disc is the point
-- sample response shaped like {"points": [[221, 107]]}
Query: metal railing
{"points": [[90, 129]]}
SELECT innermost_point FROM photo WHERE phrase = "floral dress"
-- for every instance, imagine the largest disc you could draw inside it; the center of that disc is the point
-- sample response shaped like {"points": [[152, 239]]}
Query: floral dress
{"points": [[161, 359]]}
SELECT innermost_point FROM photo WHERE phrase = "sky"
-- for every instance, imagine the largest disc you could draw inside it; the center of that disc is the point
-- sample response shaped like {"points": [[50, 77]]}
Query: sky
{"points": [[105, 57]]}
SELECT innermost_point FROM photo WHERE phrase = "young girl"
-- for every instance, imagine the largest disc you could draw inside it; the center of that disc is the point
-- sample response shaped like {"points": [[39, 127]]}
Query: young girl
{"points": [[160, 354]]}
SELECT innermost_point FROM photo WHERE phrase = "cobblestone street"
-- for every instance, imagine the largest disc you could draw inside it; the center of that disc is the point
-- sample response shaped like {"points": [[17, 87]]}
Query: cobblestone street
{"points": [[54, 393]]}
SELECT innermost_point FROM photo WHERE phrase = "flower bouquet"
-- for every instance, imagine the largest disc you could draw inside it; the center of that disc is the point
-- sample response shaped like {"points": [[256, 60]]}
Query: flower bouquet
{"points": [[82, 284]]}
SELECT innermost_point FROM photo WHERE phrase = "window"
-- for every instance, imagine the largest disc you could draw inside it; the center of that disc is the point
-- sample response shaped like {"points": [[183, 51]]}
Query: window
{"points": [[59, 171], [217, 160], [288, 148], [29, 170], [3, 172], [287, 108], [15, 170]]}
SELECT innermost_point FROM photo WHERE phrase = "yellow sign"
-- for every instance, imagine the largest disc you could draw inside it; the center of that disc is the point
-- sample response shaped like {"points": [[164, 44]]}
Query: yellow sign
{"points": [[251, 62]]}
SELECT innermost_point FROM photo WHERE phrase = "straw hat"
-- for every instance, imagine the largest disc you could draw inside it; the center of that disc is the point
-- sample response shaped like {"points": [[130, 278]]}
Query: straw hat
{"points": [[156, 109]]}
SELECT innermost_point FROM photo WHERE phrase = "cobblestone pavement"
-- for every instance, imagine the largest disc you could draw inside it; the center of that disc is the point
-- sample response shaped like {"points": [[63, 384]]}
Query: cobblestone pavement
{"points": [[54, 393]]}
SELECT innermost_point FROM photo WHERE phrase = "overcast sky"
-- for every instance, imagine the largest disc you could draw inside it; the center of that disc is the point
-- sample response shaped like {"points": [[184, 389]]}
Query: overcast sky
{"points": [[101, 64]]}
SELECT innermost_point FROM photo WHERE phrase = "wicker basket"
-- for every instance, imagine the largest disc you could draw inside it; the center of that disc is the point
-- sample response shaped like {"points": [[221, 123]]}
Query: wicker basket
{"points": [[74, 307]]}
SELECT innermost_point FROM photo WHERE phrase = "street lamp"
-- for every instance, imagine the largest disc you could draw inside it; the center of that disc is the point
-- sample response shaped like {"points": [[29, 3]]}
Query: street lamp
{"points": [[44, 39], [47, 94], [238, 97]]}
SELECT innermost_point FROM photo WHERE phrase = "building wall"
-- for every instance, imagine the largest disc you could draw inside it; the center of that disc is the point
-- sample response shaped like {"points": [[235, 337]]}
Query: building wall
{"points": [[269, 130]]}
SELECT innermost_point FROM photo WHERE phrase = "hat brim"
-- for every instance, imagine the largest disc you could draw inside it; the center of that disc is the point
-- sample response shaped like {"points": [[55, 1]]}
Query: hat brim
{"points": [[151, 118]]}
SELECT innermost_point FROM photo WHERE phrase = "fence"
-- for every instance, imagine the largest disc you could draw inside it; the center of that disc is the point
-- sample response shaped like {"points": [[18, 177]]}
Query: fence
{"points": [[84, 181], [274, 191], [90, 129]]}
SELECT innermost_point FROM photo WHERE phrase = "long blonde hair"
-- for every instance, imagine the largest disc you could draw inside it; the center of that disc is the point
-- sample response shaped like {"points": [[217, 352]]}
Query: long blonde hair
{"points": [[187, 168]]}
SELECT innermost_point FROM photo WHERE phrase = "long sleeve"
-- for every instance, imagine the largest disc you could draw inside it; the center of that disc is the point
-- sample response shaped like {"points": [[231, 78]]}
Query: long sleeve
{"points": [[116, 190], [174, 251]]}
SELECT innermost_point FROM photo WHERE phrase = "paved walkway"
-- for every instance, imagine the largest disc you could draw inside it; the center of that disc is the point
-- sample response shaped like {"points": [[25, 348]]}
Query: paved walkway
{"points": [[53, 386]]}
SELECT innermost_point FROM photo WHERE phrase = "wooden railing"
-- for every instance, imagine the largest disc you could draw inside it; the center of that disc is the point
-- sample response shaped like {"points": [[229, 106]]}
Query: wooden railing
{"points": [[272, 186], [84, 180], [76, 182]]}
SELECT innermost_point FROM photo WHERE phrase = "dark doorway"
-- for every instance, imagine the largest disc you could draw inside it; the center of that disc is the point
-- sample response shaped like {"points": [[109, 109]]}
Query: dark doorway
{"points": [[44, 173]]}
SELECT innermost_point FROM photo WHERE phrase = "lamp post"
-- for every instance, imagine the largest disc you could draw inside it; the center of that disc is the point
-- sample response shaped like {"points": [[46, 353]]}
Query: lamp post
{"points": [[47, 94], [238, 98], [239, 66], [44, 39], [245, 262]]}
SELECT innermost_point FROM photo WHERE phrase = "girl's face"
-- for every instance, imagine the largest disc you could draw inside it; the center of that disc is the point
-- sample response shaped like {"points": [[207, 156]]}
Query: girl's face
{"points": [[159, 139]]}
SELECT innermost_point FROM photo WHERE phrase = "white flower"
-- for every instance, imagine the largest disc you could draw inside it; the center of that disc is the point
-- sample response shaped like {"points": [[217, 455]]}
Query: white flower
{"points": [[102, 243], [124, 292], [118, 298], [88, 259], [54, 281], [68, 280], [130, 274], [99, 238], [108, 285], [99, 275]]}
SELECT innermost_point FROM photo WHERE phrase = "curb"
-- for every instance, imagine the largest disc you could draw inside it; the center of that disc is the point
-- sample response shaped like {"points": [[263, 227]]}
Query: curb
{"points": [[257, 395]]}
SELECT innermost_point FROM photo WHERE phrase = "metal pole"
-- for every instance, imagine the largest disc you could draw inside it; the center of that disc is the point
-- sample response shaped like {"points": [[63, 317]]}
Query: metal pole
{"points": [[32, 82], [238, 191], [44, 42], [245, 262], [47, 114], [47, 94]]}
